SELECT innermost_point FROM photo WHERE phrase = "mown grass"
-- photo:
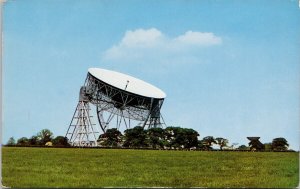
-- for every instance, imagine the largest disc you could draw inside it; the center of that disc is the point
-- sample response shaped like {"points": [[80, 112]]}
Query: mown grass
{"points": [[71, 167]]}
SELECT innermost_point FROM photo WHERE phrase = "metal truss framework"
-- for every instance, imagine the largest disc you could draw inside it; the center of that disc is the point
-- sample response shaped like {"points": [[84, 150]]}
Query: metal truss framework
{"points": [[81, 131], [115, 109]]}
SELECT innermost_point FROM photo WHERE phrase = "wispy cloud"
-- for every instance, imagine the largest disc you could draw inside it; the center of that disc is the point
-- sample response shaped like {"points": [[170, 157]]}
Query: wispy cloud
{"points": [[141, 38], [199, 39], [142, 43]]}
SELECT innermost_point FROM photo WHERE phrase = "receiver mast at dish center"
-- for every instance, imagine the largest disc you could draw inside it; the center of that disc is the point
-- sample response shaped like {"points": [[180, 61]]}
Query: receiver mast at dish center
{"points": [[121, 101]]}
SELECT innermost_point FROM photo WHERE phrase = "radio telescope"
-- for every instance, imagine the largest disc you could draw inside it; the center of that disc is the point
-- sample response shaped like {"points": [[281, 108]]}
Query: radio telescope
{"points": [[121, 101]]}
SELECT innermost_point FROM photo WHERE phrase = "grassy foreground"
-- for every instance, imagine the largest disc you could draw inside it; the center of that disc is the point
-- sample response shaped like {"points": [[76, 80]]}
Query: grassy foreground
{"points": [[59, 167]]}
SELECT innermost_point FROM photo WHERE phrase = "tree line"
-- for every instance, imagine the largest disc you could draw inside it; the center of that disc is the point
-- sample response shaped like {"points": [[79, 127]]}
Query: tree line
{"points": [[179, 138], [153, 138], [43, 138]]}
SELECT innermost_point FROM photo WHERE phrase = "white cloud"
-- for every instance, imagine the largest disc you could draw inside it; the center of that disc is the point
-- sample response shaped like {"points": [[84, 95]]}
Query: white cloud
{"points": [[141, 38], [199, 38], [150, 43]]}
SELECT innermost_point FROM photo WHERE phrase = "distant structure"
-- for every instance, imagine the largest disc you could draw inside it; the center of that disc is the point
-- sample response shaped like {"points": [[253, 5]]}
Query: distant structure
{"points": [[255, 144], [121, 101]]}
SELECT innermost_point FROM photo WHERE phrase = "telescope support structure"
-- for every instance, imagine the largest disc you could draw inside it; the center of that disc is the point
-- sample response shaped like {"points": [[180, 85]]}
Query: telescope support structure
{"points": [[81, 131]]}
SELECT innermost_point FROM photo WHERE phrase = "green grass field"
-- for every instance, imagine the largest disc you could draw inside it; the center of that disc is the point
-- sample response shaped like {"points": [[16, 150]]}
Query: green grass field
{"points": [[60, 167]]}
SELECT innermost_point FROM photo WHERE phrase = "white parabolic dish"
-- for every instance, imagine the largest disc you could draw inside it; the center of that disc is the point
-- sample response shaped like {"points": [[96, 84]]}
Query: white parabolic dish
{"points": [[120, 81]]}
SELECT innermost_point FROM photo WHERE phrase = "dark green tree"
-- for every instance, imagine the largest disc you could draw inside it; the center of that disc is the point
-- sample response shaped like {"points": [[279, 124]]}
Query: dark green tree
{"points": [[111, 138], [190, 138], [181, 138], [207, 142], [243, 147], [135, 137], [280, 144], [155, 137], [201, 146], [177, 139], [60, 141], [174, 138], [169, 136], [45, 136], [23, 141], [34, 140], [222, 142], [255, 144], [11, 141], [268, 146]]}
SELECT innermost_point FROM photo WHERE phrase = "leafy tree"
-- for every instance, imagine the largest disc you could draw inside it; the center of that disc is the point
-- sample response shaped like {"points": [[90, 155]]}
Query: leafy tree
{"points": [[45, 136], [190, 138], [255, 144], [279, 144], [201, 145], [23, 141], [11, 141], [221, 142], [210, 140], [60, 141], [268, 146], [135, 137], [155, 137], [207, 142], [169, 136], [243, 147], [112, 138], [34, 140], [177, 137]]}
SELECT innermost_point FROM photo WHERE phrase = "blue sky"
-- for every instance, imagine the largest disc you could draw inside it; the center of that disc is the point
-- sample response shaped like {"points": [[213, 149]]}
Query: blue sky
{"points": [[230, 68]]}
